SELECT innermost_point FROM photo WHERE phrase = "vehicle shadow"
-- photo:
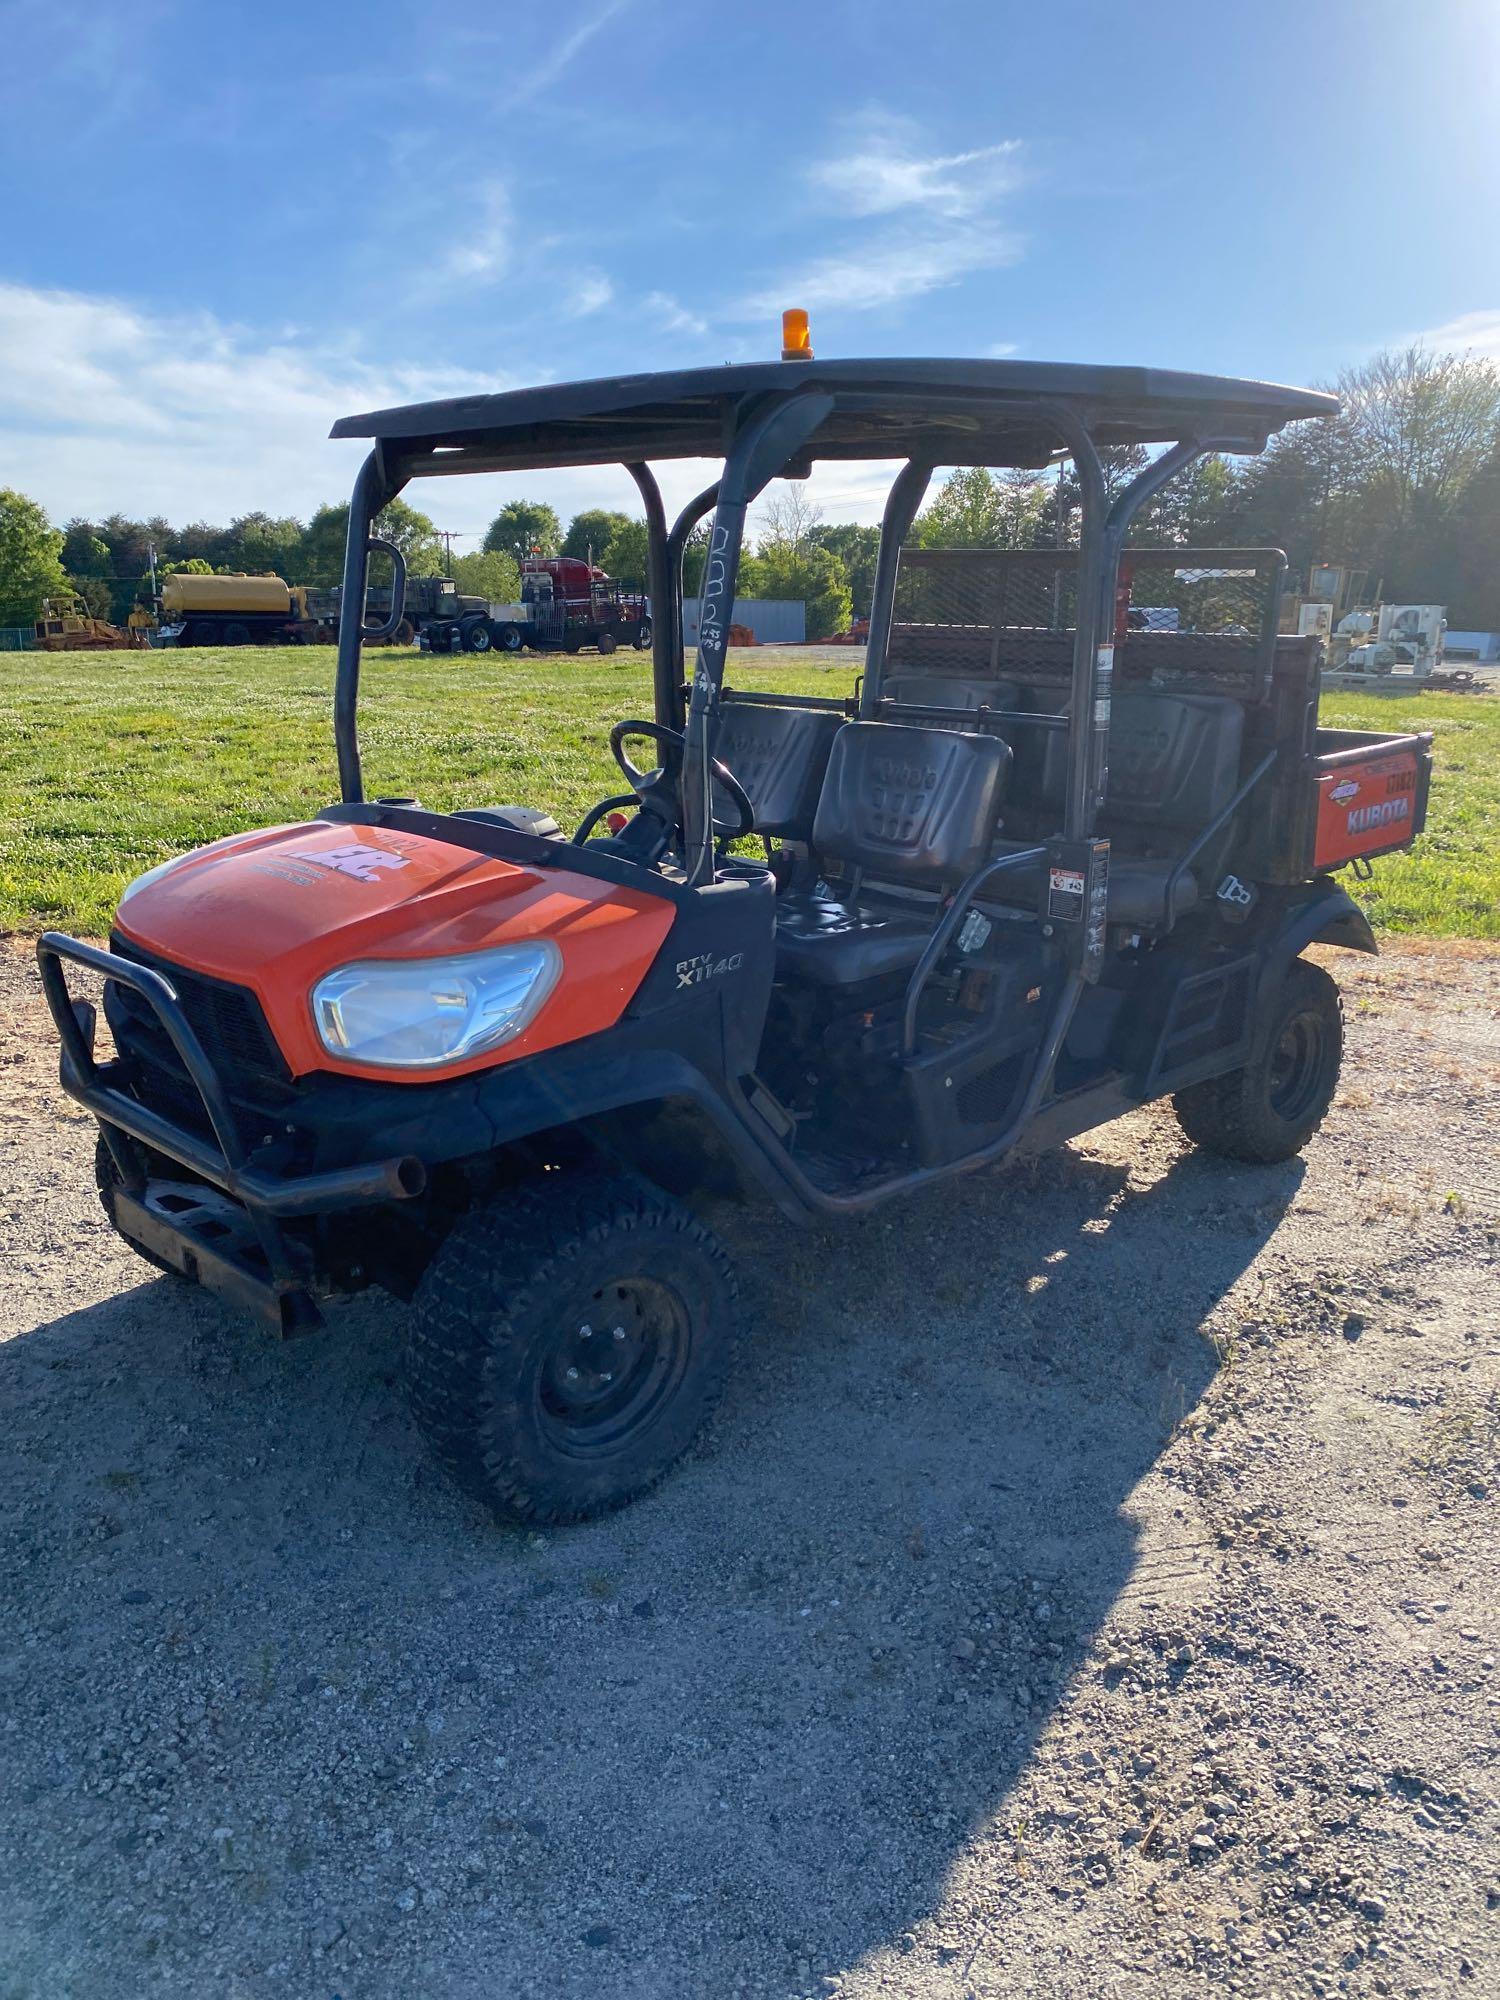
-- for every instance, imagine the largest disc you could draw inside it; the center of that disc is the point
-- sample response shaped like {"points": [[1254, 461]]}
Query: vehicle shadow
{"points": [[733, 1739]]}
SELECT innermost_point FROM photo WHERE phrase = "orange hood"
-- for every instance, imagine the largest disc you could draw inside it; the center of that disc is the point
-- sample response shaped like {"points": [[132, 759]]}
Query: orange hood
{"points": [[276, 910]]}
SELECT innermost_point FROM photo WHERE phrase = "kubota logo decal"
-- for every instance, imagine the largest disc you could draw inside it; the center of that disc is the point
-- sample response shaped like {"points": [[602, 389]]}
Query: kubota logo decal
{"points": [[363, 863], [1385, 813], [1348, 789]]}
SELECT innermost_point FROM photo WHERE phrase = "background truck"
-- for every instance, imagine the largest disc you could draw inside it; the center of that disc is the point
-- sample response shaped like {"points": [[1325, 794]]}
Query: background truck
{"points": [[566, 604], [245, 611], [438, 615]]}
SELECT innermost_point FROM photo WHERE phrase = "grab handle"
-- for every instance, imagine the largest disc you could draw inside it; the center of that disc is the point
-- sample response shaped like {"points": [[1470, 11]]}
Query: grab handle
{"points": [[379, 546]]}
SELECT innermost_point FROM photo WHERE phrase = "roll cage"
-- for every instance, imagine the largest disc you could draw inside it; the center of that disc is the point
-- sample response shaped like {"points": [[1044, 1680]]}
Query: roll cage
{"points": [[776, 420]]}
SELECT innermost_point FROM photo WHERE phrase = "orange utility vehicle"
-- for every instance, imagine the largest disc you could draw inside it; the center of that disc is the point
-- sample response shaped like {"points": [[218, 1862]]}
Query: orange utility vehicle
{"points": [[1047, 861]]}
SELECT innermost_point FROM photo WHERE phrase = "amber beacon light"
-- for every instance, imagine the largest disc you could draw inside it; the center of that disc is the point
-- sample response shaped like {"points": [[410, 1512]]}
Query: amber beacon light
{"points": [[796, 337]]}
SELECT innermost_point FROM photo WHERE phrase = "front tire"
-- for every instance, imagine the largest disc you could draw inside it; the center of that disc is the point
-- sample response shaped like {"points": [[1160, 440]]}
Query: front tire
{"points": [[1268, 1110], [568, 1344]]}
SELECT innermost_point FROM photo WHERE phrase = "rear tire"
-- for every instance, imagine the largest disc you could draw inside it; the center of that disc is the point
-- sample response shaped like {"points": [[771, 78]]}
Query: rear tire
{"points": [[607, 642], [236, 635], [1268, 1110], [510, 638], [477, 637], [568, 1344]]}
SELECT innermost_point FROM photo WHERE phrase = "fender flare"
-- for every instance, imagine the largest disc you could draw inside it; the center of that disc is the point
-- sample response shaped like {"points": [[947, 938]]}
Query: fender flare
{"points": [[1328, 914], [1323, 914]]}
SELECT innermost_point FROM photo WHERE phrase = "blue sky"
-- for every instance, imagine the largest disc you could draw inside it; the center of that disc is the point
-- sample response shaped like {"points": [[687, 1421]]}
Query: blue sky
{"points": [[228, 224]]}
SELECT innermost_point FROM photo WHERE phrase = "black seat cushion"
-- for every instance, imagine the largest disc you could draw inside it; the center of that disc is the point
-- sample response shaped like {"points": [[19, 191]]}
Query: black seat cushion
{"points": [[1138, 890], [833, 942], [779, 755], [1137, 887], [905, 804]]}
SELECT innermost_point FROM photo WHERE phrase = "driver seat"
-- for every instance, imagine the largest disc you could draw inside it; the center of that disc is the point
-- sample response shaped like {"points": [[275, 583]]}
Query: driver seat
{"points": [[905, 814]]}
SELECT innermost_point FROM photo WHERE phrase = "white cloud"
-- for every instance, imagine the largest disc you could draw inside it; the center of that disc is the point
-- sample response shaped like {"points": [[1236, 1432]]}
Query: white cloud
{"points": [[483, 251], [1002, 350], [934, 218], [885, 170], [533, 77], [901, 266], [1471, 333], [592, 292], [669, 315], [107, 407]]}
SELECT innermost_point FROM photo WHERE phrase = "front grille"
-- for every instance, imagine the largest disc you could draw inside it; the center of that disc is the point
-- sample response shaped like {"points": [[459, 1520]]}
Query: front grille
{"points": [[227, 1020]]}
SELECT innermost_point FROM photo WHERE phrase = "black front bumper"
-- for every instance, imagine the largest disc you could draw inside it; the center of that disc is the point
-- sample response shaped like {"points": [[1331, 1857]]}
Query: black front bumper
{"points": [[253, 1263]]}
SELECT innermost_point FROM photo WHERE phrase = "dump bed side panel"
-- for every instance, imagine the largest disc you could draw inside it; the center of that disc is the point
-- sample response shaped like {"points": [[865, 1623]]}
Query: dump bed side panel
{"points": [[1370, 794]]}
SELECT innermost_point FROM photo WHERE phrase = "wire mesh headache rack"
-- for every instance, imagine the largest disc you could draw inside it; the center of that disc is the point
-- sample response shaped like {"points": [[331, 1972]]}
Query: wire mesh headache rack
{"points": [[1009, 614]]}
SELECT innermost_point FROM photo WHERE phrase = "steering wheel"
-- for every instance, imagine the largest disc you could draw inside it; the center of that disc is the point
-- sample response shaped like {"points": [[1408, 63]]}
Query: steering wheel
{"points": [[660, 791]]}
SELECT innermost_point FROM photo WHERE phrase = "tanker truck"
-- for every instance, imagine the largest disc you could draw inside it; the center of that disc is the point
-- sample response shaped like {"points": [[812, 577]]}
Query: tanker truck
{"points": [[245, 611]]}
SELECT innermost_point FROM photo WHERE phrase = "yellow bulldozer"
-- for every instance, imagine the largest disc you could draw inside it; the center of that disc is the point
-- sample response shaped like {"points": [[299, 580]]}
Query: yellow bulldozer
{"points": [[68, 626]]}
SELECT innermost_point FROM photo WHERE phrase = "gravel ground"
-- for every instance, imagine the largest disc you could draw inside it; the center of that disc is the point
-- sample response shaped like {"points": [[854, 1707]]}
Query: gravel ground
{"points": [[1090, 1588]]}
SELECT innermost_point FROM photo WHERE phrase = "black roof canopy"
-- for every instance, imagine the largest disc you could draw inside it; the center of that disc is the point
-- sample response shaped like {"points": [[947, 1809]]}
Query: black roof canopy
{"points": [[948, 412]]}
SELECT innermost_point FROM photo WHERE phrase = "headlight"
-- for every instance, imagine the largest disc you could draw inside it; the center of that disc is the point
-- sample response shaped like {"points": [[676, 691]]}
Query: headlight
{"points": [[412, 1013]]}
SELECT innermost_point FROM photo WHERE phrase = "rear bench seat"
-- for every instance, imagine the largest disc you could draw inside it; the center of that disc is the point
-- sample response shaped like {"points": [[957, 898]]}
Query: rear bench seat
{"points": [[1174, 762]]}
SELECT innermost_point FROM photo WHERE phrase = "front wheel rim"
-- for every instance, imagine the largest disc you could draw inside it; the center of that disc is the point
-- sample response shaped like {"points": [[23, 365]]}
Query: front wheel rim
{"points": [[615, 1368], [1296, 1076]]}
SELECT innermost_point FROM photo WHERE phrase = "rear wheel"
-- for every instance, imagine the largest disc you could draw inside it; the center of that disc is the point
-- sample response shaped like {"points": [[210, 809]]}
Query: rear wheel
{"points": [[568, 1345], [477, 637], [510, 638], [236, 635], [1268, 1110], [607, 642]]}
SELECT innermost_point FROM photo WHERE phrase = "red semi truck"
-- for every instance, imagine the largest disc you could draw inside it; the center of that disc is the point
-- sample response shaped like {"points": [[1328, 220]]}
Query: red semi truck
{"points": [[566, 604]]}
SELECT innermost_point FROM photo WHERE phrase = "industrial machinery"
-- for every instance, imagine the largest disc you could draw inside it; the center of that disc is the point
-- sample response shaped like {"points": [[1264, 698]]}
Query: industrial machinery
{"points": [[66, 625], [1041, 865], [1366, 641]]}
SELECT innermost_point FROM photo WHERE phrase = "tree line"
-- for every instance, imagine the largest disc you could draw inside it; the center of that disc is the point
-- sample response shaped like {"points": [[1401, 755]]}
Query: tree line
{"points": [[1402, 486]]}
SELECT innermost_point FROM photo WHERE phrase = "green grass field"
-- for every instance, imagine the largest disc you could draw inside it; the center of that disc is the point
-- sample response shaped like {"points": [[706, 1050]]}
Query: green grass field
{"points": [[110, 762]]}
